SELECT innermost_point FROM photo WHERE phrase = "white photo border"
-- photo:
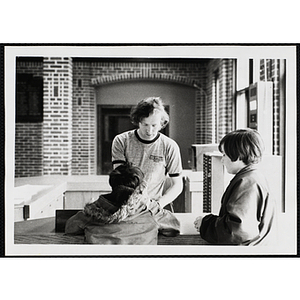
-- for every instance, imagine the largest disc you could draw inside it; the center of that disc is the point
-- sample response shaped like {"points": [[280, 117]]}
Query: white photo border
{"points": [[288, 52]]}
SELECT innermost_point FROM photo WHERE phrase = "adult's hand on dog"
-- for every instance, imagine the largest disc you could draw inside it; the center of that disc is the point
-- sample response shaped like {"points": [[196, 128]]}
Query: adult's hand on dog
{"points": [[154, 207]]}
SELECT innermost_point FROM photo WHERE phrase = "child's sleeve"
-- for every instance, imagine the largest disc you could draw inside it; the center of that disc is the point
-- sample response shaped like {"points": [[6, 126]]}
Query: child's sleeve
{"points": [[77, 223]]}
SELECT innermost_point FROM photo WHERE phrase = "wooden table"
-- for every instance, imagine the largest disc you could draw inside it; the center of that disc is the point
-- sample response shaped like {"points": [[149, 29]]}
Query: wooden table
{"points": [[42, 231]]}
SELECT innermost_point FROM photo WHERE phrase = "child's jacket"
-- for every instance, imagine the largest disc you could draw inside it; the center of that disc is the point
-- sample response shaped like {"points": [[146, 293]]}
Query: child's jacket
{"points": [[246, 215], [103, 223]]}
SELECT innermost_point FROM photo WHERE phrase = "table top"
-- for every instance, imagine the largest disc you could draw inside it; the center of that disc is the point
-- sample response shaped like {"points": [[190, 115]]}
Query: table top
{"points": [[42, 231]]}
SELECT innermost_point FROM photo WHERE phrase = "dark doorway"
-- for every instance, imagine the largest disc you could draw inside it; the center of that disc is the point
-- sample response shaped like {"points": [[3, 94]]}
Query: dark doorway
{"points": [[112, 120]]}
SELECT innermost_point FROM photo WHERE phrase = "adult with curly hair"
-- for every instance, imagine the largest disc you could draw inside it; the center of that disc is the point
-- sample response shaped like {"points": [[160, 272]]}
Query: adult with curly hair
{"points": [[157, 155]]}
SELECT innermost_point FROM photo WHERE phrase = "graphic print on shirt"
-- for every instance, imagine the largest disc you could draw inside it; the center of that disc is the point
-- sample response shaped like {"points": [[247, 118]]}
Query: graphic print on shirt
{"points": [[156, 159], [154, 166]]}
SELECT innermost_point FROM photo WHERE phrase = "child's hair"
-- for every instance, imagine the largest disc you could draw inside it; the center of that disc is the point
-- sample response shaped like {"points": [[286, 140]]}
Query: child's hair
{"points": [[244, 144], [123, 180], [146, 107], [126, 175]]}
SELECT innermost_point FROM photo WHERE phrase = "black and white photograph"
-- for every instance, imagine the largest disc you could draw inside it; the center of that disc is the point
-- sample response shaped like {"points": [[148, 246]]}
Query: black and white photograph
{"points": [[150, 150]]}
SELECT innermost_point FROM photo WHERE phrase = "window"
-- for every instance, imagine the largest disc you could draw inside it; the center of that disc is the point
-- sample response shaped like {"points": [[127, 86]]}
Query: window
{"points": [[29, 98]]}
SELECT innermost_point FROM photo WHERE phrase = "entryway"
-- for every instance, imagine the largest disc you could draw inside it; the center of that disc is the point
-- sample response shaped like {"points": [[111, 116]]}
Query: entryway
{"points": [[112, 120]]}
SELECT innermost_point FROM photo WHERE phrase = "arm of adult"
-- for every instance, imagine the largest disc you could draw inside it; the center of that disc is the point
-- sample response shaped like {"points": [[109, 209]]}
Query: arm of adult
{"points": [[172, 192], [117, 151]]}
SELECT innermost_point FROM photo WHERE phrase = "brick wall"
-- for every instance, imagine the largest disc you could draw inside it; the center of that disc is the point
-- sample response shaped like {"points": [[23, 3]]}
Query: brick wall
{"points": [[84, 120], [226, 98], [88, 74], [270, 71], [28, 149], [57, 129], [66, 141], [223, 68]]}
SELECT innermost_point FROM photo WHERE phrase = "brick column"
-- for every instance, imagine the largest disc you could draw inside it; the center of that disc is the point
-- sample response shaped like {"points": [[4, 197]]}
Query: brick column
{"points": [[57, 126]]}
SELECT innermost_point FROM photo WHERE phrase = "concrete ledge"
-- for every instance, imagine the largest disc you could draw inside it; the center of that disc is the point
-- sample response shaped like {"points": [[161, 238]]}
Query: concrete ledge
{"points": [[43, 203]]}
